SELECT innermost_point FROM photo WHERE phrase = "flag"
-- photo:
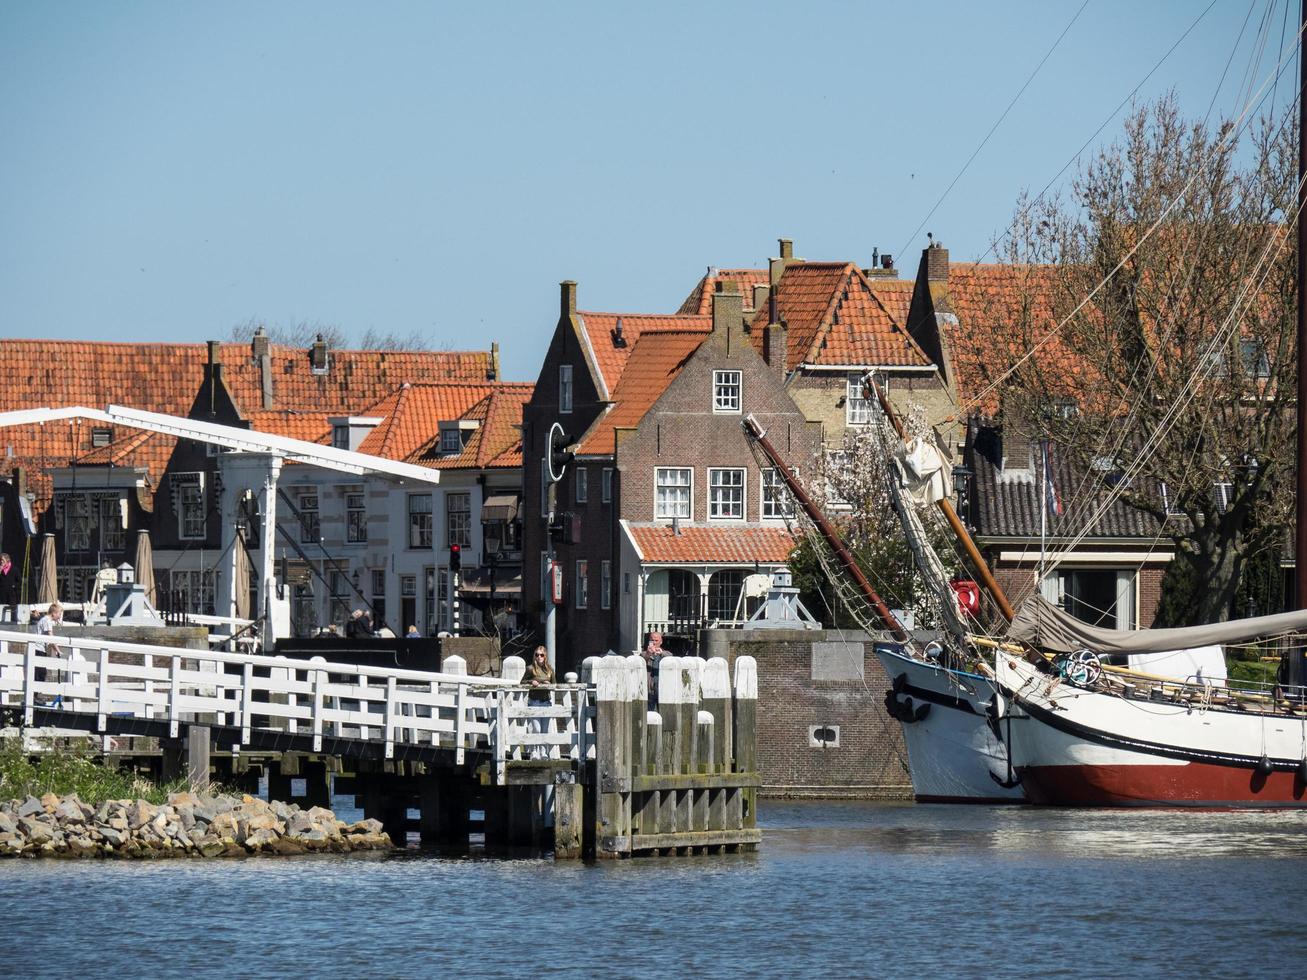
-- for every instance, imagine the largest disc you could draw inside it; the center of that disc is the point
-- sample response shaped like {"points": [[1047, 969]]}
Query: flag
{"points": [[1052, 499]]}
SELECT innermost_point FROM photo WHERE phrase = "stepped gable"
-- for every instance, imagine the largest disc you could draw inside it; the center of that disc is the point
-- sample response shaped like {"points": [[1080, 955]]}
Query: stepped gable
{"points": [[699, 302], [611, 351], [497, 441], [653, 364], [659, 543], [835, 316]]}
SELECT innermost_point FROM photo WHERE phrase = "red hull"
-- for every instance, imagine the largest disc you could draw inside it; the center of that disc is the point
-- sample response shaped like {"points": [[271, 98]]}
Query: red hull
{"points": [[1194, 784]]}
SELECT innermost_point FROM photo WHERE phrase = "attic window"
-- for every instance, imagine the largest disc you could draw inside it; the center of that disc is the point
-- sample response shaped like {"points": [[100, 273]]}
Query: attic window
{"points": [[450, 440], [101, 437]]}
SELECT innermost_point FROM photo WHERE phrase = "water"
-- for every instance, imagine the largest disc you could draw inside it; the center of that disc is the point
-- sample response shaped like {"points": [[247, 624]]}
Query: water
{"points": [[838, 889]]}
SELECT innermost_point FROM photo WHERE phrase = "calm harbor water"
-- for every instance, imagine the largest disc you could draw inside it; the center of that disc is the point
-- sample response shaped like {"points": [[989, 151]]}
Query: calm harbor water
{"points": [[838, 889]]}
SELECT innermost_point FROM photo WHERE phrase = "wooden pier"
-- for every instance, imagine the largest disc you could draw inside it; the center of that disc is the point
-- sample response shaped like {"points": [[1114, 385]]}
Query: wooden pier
{"points": [[593, 772]]}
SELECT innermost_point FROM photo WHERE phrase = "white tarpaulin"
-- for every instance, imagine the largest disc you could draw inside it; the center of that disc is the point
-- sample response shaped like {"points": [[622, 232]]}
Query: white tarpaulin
{"points": [[1201, 665], [924, 469]]}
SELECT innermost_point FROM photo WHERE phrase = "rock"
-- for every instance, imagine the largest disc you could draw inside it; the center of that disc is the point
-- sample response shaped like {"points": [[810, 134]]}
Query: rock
{"points": [[223, 823], [299, 823], [266, 821], [118, 823], [70, 811], [29, 807], [369, 826], [7, 824], [287, 845], [212, 848], [184, 798], [49, 801], [35, 830], [111, 836], [259, 838], [139, 814]]}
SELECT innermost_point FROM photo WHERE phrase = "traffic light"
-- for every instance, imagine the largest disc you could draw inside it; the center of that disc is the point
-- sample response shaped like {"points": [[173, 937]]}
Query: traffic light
{"points": [[556, 454], [455, 557]]}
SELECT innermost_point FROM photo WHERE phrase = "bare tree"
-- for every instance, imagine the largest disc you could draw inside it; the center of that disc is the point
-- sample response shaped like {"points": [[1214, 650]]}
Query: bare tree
{"points": [[301, 334], [1171, 275]]}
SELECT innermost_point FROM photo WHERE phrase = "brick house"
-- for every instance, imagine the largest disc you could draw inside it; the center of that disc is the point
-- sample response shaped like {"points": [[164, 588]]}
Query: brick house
{"points": [[665, 508]]}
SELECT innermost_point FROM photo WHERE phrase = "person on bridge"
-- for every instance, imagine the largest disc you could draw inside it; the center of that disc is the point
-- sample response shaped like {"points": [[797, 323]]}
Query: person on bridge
{"points": [[539, 676], [46, 626]]}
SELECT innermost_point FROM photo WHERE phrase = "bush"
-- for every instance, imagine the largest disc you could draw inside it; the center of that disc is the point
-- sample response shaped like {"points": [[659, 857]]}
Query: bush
{"points": [[72, 769]]}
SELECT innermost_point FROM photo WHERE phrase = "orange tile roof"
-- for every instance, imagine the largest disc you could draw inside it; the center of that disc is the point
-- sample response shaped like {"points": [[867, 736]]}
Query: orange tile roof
{"points": [[411, 416], [700, 299], [653, 364], [309, 426], [167, 377], [835, 317], [497, 441], [894, 294], [601, 328], [698, 544]]}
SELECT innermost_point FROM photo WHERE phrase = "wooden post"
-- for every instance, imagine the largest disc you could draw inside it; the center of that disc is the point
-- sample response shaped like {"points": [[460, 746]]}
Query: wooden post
{"points": [[455, 664], [317, 785], [699, 795], [171, 759], [637, 708], [742, 804], [612, 766], [568, 808], [445, 809], [197, 757], [513, 669], [717, 702], [691, 678], [671, 692]]}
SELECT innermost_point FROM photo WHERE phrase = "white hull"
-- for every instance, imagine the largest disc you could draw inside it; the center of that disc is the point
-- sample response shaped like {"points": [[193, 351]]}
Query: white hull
{"points": [[1090, 748], [953, 754]]}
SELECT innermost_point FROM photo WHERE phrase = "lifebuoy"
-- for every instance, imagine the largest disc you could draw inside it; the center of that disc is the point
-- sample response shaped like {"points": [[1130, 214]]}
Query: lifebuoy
{"points": [[967, 593]]}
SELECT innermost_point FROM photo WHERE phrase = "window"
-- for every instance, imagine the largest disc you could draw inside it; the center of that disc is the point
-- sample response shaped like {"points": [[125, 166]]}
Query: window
{"points": [[726, 495], [1172, 507], [1255, 362], [339, 598], [564, 388], [606, 485], [193, 590], [458, 519], [606, 585], [581, 484], [113, 536], [190, 510], [378, 596], [340, 436], [672, 489], [101, 437], [857, 410], [450, 441], [726, 391], [309, 525], [582, 594], [777, 501], [77, 514], [356, 519], [419, 520]]}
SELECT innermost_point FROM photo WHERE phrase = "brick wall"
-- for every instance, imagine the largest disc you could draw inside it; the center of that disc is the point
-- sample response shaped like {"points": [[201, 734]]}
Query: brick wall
{"points": [[870, 761]]}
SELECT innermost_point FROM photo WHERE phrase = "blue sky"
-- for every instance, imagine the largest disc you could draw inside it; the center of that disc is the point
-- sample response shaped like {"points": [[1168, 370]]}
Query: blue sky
{"points": [[173, 169]]}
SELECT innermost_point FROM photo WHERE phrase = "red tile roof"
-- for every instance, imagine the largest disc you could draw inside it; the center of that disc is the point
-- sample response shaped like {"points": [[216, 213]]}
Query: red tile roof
{"points": [[700, 298], [167, 377], [894, 294], [652, 365], [497, 441], [309, 426], [836, 317], [601, 329], [699, 544], [412, 415]]}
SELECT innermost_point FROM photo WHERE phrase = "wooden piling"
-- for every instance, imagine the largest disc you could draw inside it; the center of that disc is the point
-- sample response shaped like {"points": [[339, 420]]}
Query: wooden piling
{"points": [[568, 810], [716, 700], [197, 757], [742, 803], [612, 763]]}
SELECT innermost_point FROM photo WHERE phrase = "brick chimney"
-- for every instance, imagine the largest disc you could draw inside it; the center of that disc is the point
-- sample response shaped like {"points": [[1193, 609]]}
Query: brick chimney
{"points": [[777, 266], [567, 297], [936, 261], [319, 360], [728, 313], [760, 294], [261, 350]]}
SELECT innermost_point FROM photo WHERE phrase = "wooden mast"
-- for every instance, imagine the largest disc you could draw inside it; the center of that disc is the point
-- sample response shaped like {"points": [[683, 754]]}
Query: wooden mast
{"points": [[1300, 549]]}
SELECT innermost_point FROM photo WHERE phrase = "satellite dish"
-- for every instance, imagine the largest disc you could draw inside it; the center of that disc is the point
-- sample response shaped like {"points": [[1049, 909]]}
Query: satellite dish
{"points": [[556, 457]]}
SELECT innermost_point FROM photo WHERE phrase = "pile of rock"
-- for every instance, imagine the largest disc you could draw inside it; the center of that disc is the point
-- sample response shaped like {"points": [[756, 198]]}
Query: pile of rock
{"points": [[188, 825]]}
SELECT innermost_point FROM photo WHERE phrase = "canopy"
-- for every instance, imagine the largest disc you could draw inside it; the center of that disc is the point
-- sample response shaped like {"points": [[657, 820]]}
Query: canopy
{"points": [[500, 507], [145, 566], [924, 470], [1042, 624], [49, 588]]}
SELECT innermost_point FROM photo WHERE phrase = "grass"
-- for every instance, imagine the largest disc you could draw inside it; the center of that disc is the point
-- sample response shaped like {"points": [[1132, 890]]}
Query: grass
{"points": [[72, 769]]}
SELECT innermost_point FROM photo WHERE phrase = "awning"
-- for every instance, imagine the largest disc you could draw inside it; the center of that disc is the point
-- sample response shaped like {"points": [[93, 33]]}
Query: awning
{"points": [[500, 507], [508, 582]]}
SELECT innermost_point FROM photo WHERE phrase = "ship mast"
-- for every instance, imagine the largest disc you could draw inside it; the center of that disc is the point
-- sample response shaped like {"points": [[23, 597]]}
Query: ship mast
{"points": [[1300, 549]]}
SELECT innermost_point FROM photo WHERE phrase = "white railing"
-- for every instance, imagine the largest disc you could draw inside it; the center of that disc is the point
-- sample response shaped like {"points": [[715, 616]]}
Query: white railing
{"points": [[314, 698]]}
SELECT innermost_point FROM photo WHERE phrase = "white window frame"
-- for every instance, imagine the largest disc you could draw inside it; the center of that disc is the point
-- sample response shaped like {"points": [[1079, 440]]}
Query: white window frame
{"points": [[451, 441], [310, 530], [775, 502], [464, 513], [564, 389], [430, 522], [581, 594], [857, 408], [743, 492], [340, 436], [658, 472], [581, 485], [606, 485], [727, 392], [605, 584]]}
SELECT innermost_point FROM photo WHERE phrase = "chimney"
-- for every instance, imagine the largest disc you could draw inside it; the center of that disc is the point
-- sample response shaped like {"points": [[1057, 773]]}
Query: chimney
{"points": [[318, 358], [936, 261], [1016, 442], [774, 343], [492, 370], [567, 297], [619, 334], [262, 351], [20, 481], [787, 249], [727, 307], [215, 355], [777, 266], [882, 266], [761, 293]]}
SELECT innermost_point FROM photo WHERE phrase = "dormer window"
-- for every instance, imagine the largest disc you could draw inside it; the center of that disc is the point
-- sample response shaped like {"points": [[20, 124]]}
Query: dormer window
{"points": [[450, 442], [340, 436], [454, 436], [564, 388], [726, 391]]}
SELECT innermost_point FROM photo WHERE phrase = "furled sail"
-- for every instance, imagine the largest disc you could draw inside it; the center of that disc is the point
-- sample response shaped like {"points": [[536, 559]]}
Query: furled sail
{"points": [[1042, 624]]}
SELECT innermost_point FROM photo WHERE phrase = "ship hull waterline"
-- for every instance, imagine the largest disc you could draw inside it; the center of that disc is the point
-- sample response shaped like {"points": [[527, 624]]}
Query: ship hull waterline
{"points": [[1075, 747], [953, 754]]}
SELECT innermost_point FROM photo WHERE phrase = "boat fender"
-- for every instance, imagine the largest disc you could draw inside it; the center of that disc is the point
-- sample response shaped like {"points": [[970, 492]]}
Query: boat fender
{"points": [[1264, 767], [923, 709], [891, 704], [1302, 773], [900, 682]]}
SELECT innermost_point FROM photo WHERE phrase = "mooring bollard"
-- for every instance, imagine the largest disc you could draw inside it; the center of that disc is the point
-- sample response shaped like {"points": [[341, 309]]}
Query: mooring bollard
{"points": [[741, 809], [612, 764], [716, 700]]}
